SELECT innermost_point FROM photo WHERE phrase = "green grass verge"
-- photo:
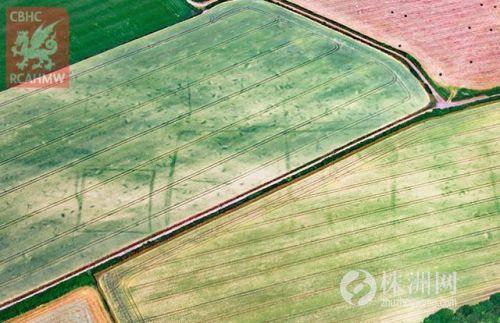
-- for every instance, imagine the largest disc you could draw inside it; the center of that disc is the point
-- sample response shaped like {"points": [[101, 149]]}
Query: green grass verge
{"points": [[96, 26], [446, 92], [463, 93], [421, 200]]}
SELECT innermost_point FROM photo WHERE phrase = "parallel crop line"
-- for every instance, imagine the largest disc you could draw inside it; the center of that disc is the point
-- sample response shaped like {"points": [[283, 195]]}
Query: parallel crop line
{"points": [[337, 220], [129, 81], [491, 263], [163, 188], [143, 104], [310, 186], [127, 55], [210, 269], [335, 287], [276, 219], [297, 246], [327, 271], [129, 171], [166, 123], [459, 162], [413, 172]]}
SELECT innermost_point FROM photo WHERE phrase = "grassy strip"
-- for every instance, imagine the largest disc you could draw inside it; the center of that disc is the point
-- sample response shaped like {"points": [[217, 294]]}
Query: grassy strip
{"points": [[485, 311], [463, 93], [444, 91], [84, 279]]}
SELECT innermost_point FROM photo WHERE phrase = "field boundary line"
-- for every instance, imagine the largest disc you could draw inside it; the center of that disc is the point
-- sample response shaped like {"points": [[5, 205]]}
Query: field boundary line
{"points": [[314, 241], [282, 266], [245, 227], [340, 219], [162, 189], [429, 84], [228, 204], [352, 186], [321, 224], [310, 15], [408, 135]]}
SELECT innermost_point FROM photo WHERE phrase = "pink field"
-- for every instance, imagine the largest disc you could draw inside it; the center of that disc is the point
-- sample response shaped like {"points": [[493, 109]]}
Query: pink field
{"points": [[456, 41], [81, 305]]}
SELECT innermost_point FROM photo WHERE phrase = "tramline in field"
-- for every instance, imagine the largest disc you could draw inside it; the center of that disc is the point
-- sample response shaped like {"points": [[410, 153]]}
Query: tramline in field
{"points": [[169, 125], [423, 201]]}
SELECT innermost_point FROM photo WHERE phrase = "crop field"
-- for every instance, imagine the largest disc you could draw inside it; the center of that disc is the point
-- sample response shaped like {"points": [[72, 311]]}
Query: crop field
{"points": [[422, 201], [455, 41], [81, 305], [131, 149], [111, 23]]}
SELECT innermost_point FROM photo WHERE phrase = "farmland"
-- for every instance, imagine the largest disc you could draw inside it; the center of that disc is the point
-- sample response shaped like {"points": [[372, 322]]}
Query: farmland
{"points": [[167, 126], [455, 41], [97, 26], [81, 305], [424, 200]]}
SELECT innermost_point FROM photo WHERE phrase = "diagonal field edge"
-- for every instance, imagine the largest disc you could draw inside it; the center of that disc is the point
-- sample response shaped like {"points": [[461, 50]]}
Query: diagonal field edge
{"points": [[274, 182], [55, 237]]}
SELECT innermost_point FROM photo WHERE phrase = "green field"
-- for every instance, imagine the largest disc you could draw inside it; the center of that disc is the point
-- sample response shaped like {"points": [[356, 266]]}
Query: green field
{"points": [[167, 126], [96, 26], [422, 201]]}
